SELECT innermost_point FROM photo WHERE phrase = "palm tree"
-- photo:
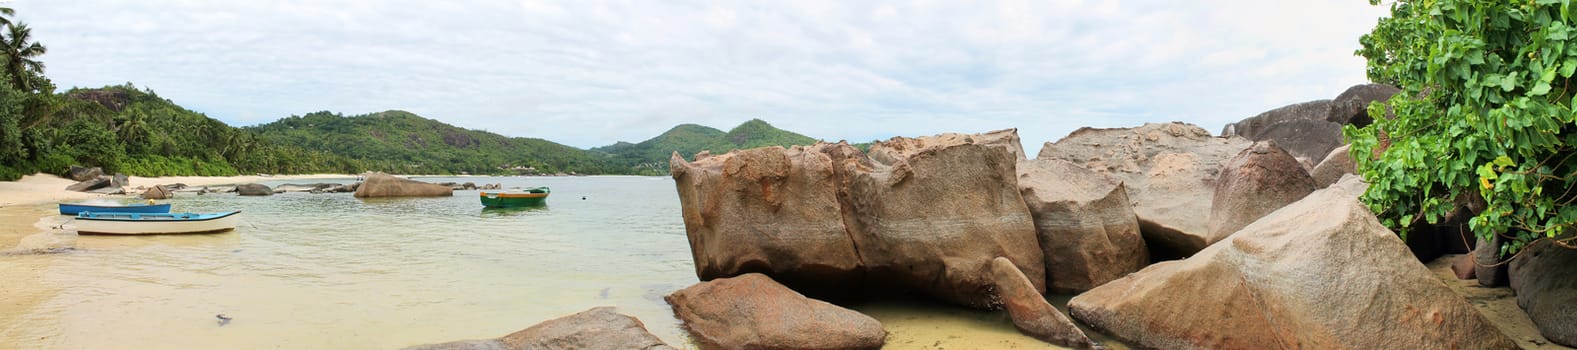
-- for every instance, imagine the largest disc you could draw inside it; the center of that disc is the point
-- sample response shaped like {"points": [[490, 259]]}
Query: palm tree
{"points": [[5, 13], [21, 55]]}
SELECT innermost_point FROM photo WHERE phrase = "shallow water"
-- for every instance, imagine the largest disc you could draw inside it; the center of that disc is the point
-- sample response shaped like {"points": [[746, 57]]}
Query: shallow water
{"points": [[329, 271]]}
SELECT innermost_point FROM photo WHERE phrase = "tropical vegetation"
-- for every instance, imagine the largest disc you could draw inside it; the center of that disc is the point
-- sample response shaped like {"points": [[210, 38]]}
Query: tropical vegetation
{"points": [[1486, 111]]}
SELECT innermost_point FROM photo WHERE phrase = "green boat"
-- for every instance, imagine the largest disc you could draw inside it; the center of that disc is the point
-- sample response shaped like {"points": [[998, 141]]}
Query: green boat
{"points": [[515, 198]]}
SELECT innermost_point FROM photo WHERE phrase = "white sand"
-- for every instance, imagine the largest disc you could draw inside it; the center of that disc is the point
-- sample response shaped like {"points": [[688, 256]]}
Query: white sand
{"points": [[46, 188]]}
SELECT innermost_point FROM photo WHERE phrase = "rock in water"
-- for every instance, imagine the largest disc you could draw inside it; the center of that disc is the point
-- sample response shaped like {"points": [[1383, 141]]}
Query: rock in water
{"points": [[1258, 181], [1169, 171], [383, 185], [80, 173], [1085, 224], [1545, 278], [928, 214], [254, 189], [90, 184], [157, 192], [598, 328], [770, 210], [754, 312], [1335, 165], [1029, 310], [1321, 273]]}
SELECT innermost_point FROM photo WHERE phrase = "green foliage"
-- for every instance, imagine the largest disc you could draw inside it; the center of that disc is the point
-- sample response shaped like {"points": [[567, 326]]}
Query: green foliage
{"points": [[1486, 109], [650, 157]]}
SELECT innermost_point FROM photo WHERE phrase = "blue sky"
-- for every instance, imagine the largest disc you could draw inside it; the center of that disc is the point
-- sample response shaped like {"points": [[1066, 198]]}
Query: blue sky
{"points": [[589, 73]]}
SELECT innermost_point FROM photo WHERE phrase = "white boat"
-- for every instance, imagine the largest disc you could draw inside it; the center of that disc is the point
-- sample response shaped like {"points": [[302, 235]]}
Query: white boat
{"points": [[151, 224]]}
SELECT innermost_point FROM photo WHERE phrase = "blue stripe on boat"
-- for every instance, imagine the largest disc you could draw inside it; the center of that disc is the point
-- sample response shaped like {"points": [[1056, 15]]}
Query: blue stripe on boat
{"points": [[74, 209]]}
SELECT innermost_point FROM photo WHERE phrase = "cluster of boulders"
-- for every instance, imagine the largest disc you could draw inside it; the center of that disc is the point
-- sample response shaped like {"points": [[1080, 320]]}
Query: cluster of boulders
{"points": [[373, 185], [93, 180], [1271, 246]]}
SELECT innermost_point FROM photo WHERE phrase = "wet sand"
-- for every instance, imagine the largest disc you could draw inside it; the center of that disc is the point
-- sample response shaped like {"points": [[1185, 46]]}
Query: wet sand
{"points": [[1498, 304]]}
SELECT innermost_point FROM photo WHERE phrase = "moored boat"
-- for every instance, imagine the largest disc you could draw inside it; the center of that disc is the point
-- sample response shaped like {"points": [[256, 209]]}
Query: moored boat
{"points": [[74, 208], [154, 223], [515, 198]]}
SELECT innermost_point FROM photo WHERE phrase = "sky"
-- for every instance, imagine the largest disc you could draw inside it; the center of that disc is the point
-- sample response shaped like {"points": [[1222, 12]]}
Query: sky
{"points": [[590, 73]]}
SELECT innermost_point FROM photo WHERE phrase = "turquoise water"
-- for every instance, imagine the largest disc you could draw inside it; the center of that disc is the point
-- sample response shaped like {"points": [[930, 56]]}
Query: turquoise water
{"points": [[332, 271]]}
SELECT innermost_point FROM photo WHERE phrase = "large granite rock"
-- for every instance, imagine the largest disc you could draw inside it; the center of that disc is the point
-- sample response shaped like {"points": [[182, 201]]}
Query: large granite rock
{"points": [[1305, 139], [1339, 162], [1352, 106], [928, 214], [1255, 128], [80, 173], [90, 184], [1545, 278], [1029, 310], [598, 328], [752, 311], [1258, 181], [1085, 223], [1170, 173], [157, 192], [254, 189], [769, 210], [1321, 273], [383, 185]]}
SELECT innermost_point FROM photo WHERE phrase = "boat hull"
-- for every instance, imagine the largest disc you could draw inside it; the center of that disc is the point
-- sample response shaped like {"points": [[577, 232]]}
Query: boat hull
{"points": [[500, 199], [152, 224], [74, 209]]}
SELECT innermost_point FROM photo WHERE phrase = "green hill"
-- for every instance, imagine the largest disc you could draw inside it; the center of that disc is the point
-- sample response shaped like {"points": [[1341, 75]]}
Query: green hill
{"points": [[404, 143], [651, 156]]}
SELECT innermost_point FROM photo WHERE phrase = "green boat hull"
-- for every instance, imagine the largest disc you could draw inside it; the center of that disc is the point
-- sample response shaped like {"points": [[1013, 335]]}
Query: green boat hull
{"points": [[509, 199]]}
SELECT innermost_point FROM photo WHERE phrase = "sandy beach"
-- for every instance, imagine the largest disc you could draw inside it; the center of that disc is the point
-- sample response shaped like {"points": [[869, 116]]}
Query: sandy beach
{"points": [[46, 188]]}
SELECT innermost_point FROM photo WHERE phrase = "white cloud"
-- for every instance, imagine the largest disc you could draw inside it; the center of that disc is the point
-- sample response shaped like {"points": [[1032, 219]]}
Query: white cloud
{"points": [[589, 73]]}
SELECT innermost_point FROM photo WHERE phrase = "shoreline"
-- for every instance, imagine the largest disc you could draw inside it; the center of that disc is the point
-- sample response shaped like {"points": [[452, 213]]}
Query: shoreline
{"points": [[46, 188]]}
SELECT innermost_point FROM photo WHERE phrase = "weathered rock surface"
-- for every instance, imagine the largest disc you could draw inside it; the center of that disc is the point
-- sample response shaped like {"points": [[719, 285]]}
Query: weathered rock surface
{"points": [[1254, 128], [1029, 310], [1331, 169], [90, 184], [317, 187], [598, 328], [1463, 268], [1543, 277], [1310, 139], [1321, 273], [1488, 265], [769, 210], [120, 180], [157, 192], [1085, 223], [384, 185], [1352, 106], [929, 214], [254, 189], [79, 173], [1259, 180], [752, 311], [1170, 173]]}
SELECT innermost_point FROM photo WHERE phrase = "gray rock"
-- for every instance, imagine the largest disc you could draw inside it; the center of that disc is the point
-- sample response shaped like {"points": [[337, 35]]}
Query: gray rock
{"points": [[90, 184], [120, 180], [1254, 128], [1489, 266], [1352, 106], [254, 189], [596, 329], [1547, 290], [80, 173]]}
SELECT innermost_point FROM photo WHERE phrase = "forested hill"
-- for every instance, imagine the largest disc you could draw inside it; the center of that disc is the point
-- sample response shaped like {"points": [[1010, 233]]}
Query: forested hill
{"points": [[651, 156], [404, 143]]}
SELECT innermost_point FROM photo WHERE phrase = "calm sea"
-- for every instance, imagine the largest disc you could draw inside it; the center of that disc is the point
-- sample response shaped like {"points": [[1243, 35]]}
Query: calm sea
{"points": [[330, 271]]}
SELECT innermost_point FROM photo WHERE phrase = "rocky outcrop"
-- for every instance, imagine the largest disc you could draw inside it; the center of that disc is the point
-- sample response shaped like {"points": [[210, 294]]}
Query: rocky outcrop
{"points": [[769, 210], [90, 184], [1339, 162], [254, 189], [928, 214], [1170, 173], [1085, 224], [1321, 273], [1352, 106], [314, 188], [80, 173], [1254, 128], [1257, 181], [598, 328], [157, 192], [1546, 289], [1029, 310], [1302, 129], [346, 188], [752, 311], [379, 185]]}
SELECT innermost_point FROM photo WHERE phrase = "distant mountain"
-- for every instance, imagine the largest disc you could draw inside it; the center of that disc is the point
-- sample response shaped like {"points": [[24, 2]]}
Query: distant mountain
{"points": [[405, 143], [651, 156]]}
